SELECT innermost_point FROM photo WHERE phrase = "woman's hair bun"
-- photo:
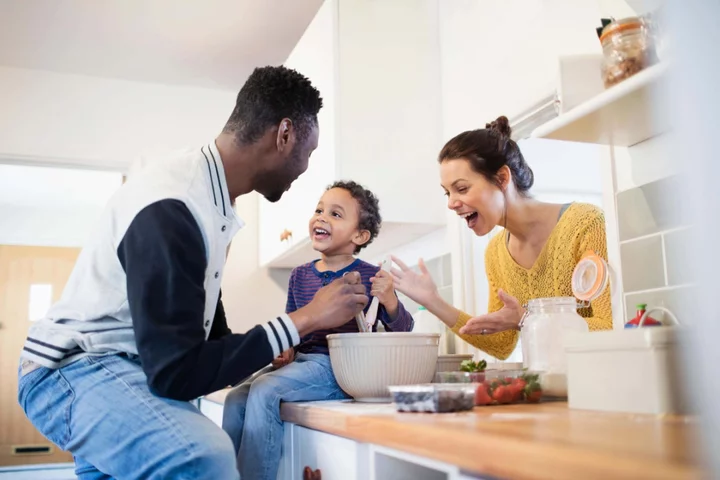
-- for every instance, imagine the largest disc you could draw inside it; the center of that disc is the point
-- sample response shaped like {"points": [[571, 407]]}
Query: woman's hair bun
{"points": [[501, 125]]}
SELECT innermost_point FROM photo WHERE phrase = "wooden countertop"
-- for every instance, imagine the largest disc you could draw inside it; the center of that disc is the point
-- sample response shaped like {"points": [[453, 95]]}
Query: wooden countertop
{"points": [[519, 441]]}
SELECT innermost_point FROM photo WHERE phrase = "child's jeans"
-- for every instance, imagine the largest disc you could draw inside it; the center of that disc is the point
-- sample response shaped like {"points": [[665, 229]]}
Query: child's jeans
{"points": [[252, 410], [101, 410]]}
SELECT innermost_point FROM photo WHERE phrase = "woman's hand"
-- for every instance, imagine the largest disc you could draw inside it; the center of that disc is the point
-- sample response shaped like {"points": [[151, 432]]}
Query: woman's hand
{"points": [[507, 318], [285, 358], [384, 290], [420, 287]]}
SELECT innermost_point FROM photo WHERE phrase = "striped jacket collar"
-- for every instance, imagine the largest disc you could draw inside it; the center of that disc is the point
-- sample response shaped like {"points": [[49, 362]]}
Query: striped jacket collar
{"points": [[218, 182]]}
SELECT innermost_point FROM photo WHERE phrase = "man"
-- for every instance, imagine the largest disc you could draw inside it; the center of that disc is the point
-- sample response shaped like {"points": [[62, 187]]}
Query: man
{"points": [[140, 328]]}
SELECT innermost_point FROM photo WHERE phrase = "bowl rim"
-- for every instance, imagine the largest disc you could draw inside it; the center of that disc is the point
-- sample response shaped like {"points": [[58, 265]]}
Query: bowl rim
{"points": [[382, 334]]}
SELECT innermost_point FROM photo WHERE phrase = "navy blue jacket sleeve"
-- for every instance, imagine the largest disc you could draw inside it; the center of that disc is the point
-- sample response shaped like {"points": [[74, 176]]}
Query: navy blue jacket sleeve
{"points": [[219, 327], [164, 258]]}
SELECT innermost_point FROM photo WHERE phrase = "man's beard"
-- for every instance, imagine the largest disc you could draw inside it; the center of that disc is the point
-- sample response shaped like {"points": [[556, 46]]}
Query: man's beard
{"points": [[276, 183]]}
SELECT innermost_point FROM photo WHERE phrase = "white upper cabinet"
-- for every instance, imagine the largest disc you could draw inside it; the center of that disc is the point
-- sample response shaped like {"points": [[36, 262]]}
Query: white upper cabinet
{"points": [[377, 66]]}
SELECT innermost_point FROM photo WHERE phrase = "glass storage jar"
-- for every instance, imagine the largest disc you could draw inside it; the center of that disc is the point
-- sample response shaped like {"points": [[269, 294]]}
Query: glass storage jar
{"points": [[628, 48], [546, 323]]}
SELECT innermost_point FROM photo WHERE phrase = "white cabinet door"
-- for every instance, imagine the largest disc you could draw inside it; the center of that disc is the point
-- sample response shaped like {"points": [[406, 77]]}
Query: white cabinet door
{"points": [[337, 458]]}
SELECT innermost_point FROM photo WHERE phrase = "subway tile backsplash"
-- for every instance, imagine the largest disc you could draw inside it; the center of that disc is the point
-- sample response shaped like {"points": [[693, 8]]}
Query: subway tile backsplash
{"points": [[677, 300], [649, 209], [678, 251], [642, 264]]}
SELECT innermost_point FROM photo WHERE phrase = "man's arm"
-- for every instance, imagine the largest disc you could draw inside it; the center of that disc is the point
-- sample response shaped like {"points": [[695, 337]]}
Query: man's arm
{"points": [[163, 255], [219, 327]]}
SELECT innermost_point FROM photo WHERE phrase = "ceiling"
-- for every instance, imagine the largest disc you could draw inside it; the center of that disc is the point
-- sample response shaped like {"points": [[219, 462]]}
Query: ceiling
{"points": [[213, 43], [56, 188]]}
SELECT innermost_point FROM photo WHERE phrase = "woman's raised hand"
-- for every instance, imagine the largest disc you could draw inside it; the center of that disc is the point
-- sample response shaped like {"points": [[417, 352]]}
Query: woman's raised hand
{"points": [[419, 287]]}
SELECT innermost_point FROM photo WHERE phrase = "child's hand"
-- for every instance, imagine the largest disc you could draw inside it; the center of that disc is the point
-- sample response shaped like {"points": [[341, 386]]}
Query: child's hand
{"points": [[285, 358], [383, 289]]}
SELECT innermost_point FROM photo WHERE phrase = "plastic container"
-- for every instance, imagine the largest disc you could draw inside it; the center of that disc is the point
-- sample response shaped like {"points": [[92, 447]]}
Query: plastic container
{"points": [[434, 397], [460, 377], [628, 48], [630, 371], [503, 387], [487, 385]]}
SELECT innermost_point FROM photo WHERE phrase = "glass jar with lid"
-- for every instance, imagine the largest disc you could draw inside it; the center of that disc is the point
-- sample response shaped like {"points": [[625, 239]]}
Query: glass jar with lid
{"points": [[548, 320], [628, 48]]}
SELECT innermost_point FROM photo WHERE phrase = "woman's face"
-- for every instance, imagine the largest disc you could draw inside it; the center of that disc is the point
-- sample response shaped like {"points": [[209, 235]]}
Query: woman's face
{"points": [[480, 202]]}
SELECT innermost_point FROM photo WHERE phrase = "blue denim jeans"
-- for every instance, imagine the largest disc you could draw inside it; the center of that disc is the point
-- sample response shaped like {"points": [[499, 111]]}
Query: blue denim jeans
{"points": [[101, 410], [252, 410]]}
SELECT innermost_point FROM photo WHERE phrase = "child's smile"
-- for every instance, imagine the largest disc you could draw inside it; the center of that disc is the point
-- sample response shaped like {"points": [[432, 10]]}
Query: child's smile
{"points": [[334, 227]]}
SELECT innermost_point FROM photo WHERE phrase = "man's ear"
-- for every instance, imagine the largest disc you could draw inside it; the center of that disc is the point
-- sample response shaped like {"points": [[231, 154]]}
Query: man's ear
{"points": [[361, 237], [285, 135]]}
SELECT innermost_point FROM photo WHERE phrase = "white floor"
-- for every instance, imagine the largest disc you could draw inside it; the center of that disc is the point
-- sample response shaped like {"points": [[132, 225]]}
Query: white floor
{"points": [[57, 471]]}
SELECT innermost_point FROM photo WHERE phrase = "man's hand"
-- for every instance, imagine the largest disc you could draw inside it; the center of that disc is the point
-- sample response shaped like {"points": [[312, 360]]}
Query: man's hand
{"points": [[285, 358], [332, 306]]}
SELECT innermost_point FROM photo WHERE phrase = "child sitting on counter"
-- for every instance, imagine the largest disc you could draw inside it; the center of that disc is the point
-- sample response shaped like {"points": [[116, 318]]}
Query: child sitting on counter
{"points": [[346, 219]]}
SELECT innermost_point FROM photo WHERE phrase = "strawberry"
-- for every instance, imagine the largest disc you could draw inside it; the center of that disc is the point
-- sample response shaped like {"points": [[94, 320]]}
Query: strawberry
{"points": [[534, 397], [502, 394], [516, 391], [521, 382], [533, 392], [482, 397]]}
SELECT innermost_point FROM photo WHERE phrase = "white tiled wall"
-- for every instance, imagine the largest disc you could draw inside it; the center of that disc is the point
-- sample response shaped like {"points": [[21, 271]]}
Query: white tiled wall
{"points": [[653, 229]]}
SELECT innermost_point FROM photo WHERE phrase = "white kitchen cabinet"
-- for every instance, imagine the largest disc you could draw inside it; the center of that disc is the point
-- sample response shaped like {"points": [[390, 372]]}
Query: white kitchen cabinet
{"points": [[380, 125], [336, 457]]}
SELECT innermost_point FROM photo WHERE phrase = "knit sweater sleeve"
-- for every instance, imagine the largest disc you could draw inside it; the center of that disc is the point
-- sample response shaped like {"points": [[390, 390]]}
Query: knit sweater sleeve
{"points": [[593, 238], [501, 344]]}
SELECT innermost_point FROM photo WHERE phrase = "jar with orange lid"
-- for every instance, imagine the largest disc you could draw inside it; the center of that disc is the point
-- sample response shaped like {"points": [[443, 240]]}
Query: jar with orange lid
{"points": [[628, 48], [548, 320]]}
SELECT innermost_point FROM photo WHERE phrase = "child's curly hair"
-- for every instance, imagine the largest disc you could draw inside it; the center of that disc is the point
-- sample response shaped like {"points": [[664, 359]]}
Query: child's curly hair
{"points": [[370, 218]]}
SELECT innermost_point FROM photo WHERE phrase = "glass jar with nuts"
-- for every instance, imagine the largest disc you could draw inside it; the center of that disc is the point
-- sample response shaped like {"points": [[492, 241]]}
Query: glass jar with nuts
{"points": [[627, 50]]}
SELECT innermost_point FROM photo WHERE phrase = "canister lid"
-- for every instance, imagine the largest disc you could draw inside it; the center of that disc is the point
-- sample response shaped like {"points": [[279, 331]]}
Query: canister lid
{"points": [[622, 25], [590, 277]]}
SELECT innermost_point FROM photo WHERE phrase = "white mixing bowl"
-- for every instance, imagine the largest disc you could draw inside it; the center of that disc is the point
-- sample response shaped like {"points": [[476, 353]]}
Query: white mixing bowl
{"points": [[366, 364]]}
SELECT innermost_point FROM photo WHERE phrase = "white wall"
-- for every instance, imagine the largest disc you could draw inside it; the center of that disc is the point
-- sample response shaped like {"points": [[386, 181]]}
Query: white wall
{"points": [[61, 117], [46, 227], [251, 295], [43, 206]]}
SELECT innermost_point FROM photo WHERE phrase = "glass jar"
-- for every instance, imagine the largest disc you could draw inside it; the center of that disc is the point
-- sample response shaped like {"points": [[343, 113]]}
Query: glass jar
{"points": [[546, 323], [627, 49]]}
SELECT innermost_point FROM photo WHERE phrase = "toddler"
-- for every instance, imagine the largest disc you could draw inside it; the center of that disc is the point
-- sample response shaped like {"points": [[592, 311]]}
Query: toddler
{"points": [[346, 219]]}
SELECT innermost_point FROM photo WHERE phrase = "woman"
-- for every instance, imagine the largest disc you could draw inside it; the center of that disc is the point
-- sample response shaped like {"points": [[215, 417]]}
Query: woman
{"points": [[487, 182]]}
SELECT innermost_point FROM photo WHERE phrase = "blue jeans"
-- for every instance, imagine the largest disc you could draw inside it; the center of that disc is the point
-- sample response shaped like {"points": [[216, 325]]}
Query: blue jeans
{"points": [[252, 410], [101, 410]]}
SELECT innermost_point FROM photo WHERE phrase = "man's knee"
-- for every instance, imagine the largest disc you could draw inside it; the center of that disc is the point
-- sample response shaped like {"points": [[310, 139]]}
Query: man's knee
{"points": [[237, 398], [215, 459]]}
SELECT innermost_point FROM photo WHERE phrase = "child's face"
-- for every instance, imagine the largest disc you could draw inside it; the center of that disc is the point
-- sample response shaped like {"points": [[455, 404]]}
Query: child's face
{"points": [[334, 227]]}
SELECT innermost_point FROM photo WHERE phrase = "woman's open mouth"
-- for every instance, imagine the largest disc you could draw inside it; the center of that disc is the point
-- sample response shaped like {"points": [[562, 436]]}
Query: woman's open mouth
{"points": [[471, 218]]}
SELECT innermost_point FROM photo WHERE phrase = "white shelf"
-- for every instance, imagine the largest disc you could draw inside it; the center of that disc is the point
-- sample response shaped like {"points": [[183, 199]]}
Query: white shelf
{"points": [[392, 236], [623, 115]]}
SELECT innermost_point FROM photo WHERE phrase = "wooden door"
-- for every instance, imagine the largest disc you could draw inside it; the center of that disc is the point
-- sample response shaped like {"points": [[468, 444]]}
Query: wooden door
{"points": [[44, 271]]}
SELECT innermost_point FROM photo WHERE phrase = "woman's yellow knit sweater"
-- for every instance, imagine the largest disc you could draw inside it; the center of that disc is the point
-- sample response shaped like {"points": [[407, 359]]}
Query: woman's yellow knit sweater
{"points": [[580, 228]]}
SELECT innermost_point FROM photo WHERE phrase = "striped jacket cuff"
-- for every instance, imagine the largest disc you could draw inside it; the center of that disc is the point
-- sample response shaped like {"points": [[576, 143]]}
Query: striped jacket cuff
{"points": [[282, 334]]}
